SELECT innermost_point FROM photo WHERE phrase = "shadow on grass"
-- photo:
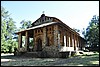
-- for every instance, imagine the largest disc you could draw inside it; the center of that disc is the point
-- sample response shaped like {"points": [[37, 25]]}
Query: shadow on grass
{"points": [[84, 60]]}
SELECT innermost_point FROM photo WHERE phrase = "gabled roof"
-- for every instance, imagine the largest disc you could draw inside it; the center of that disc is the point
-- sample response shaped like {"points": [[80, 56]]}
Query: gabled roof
{"points": [[45, 19], [48, 19]]}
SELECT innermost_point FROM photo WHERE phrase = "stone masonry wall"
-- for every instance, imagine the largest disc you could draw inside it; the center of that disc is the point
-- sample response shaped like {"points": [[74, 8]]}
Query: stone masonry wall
{"points": [[51, 51]]}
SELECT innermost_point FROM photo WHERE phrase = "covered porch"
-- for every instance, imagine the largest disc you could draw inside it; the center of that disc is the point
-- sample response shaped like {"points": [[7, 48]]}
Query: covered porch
{"points": [[24, 44]]}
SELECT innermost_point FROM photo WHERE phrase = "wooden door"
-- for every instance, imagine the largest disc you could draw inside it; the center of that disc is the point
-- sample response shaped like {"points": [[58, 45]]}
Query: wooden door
{"points": [[39, 45]]}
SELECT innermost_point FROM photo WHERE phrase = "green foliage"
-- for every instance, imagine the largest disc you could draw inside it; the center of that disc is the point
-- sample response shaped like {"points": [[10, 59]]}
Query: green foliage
{"points": [[92, 32], [31, 42], [8, 28], [25, 24], [77, 30]]}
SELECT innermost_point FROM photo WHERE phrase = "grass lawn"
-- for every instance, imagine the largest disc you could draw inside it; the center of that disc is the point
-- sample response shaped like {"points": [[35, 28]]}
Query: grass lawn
{"points": [[85, 59]]}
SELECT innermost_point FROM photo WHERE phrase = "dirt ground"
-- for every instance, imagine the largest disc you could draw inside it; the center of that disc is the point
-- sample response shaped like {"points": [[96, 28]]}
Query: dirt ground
{"points": [[86, 59]]}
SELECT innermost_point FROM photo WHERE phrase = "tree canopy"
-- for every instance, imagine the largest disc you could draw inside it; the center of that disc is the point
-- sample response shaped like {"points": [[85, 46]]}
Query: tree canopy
{"points": [[25, 24], [8, 29], [9, 39], [92, 32]]}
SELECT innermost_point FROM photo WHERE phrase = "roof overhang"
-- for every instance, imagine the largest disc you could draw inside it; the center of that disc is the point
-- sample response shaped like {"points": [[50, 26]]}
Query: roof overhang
{"points": [[39, 26]]}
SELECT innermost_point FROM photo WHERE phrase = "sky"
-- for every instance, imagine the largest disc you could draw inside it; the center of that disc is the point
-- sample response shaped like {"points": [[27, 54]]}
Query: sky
{"points": [[76, 14]]}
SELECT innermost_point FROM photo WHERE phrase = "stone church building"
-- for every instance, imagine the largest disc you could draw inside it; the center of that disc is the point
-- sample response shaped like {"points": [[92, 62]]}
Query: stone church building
{"points": [[51, 38]]}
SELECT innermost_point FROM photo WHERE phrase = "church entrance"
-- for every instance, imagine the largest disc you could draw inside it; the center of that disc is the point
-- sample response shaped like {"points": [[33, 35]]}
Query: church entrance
{"points": [[39, 45]]}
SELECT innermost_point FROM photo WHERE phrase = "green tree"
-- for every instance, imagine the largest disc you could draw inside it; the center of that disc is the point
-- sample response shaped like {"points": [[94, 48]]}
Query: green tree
{"points": [[25, 24], [8, 28], [92, 32]]}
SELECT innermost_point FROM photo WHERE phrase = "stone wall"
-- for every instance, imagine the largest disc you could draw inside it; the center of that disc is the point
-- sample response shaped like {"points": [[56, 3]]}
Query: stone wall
{"points": [[47, 52], [51, 51]]}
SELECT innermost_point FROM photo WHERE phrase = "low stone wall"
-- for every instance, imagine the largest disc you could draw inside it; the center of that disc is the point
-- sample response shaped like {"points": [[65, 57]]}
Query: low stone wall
{"points": [[47, 52], [51, 51]]}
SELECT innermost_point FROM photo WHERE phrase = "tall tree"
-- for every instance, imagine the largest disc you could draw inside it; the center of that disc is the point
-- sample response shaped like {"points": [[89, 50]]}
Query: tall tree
{"points": [[8, 29], [92, 32]]}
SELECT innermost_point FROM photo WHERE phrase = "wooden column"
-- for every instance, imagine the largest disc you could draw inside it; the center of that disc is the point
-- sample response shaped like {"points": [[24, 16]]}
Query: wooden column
{"points": [[80, 43], [19, 41], [26, 40], [78, 40], [70, 39], [62, 37], [45, 37], [67, 39], [33, 39], [59, 39], [55, 35], [73, 40]]}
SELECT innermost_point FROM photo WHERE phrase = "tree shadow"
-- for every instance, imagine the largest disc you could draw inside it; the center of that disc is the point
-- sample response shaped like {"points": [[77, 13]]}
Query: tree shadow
{"points": [[85, 60]]}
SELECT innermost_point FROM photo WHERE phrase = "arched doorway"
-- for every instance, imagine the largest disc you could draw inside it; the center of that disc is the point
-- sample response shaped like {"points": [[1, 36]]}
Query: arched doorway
{"points": [[39, 45]]}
